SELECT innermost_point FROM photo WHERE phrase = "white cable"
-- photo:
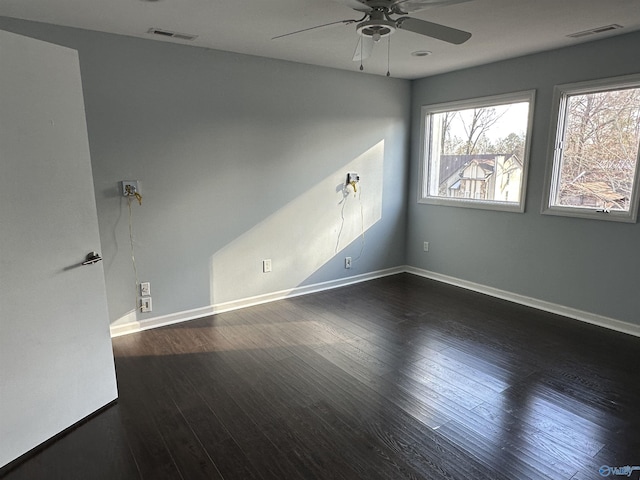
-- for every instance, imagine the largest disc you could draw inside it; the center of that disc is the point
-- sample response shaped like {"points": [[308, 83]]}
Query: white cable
{"points": [[344, 202], [133, 256], [362, 223]]}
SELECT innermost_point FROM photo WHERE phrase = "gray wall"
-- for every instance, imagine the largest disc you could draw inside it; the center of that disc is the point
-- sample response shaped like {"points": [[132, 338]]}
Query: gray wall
{"points": [[585, 264], [240, 158]]}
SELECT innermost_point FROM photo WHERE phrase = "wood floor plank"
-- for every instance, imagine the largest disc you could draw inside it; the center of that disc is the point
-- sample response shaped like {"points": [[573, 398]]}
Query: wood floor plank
{"points": [[237, 403], [95, 449], [582, 437], [395, 378], [190, 458], [452, 385], [152, 454]]}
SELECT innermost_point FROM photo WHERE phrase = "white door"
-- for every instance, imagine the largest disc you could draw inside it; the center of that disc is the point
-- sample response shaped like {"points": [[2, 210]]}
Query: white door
{"points": [[56, 362]]}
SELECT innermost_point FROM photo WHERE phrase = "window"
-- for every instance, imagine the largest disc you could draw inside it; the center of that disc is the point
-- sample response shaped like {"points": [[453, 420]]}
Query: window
{"points": [[475, 152], [595, 150]]}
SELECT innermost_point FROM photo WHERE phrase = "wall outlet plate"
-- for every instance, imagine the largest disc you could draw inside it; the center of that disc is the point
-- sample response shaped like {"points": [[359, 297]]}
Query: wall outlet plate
{"points": [[347, 262], [266, 265], [145, 289], [146, 305], [130, 187]]}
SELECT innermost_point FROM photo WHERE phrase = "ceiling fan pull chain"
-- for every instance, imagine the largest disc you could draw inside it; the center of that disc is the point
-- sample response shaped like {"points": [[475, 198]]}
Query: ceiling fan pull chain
{"points": [[388, 56], [361, 42]]}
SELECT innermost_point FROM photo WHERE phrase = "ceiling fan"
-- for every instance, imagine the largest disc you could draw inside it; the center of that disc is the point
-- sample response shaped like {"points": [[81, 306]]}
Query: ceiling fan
{"points": [[378, 22]]}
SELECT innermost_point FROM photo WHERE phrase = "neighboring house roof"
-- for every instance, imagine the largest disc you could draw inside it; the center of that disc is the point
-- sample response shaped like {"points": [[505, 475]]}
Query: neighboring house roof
{"points": [[454, 164]]}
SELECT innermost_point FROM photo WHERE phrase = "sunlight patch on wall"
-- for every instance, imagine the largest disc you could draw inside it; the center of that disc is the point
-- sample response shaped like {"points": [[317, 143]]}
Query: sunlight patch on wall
{"points": [[302, 236], [126, 319]]}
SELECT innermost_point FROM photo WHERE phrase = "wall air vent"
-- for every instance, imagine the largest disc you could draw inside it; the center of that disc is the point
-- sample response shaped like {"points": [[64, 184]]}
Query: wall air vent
{"points": [[167, 33], [594, 31]]}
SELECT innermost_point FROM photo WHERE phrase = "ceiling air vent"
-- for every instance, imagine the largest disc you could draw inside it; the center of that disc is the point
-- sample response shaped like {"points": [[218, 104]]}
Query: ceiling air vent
{"points": [[594, 31], [166, 33]]}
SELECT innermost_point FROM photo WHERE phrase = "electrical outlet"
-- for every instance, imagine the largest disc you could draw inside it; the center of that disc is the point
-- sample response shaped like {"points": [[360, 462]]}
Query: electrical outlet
{"points": [[266, 265], [145, 289], [130, 187], [347, 262], [353, 177], [426, 246], [145, 305]]}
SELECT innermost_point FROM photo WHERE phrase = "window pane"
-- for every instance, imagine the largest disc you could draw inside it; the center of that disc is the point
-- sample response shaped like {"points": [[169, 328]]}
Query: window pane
{"points": [[600, 150], [478, 153]]}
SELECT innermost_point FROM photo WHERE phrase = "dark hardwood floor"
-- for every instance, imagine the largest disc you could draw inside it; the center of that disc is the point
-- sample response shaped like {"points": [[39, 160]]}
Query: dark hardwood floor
{"points": [[395, 378]]}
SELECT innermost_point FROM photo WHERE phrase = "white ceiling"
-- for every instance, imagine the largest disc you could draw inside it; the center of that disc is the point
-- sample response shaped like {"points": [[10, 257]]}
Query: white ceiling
{"points": [[501, 28]]}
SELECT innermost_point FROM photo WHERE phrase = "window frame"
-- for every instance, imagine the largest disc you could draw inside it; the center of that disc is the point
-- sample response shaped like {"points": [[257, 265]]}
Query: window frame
{"points": [[561, 94], [425, 150]]}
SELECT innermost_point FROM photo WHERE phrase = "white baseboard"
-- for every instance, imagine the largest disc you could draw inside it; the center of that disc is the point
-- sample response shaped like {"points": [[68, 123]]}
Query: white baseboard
{"points": [[161, 321], [146, 324], [611, 323]]}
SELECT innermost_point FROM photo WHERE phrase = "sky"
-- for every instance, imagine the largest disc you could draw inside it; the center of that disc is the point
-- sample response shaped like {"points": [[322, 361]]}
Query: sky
{"points": [[513, 120]]}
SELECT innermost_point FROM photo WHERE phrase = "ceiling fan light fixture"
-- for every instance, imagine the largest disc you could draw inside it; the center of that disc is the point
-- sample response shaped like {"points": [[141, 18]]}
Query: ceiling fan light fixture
{"points": [[421, 53], [376, 29]]}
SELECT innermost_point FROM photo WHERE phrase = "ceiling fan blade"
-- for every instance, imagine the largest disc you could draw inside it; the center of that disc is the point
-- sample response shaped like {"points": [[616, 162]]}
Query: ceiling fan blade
{"points": [[359, 5], [346, 22], [411, 6], [434, 30], [364, 48]]}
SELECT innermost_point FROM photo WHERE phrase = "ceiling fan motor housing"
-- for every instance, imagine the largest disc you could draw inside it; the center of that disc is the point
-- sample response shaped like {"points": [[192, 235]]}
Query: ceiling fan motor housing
{"points": [[377, 26], [378, 3]]}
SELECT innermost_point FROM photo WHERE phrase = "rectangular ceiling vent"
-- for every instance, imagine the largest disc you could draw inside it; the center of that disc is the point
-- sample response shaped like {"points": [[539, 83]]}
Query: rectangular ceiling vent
{"points": [[594, 31], [166, 33]]}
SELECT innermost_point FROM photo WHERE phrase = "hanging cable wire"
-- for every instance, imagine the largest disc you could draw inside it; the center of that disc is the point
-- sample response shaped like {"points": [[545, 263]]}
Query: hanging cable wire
{"points": [[362, 226], [345, 197], [133, 255]]}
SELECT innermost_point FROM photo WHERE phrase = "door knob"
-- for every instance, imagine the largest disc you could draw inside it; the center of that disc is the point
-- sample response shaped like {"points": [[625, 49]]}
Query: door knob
{"points": [[93, 257]]}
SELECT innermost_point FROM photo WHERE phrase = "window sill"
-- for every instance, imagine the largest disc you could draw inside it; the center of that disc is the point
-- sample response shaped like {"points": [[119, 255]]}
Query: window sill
{"points": [[476, 204], [612, 216]]}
